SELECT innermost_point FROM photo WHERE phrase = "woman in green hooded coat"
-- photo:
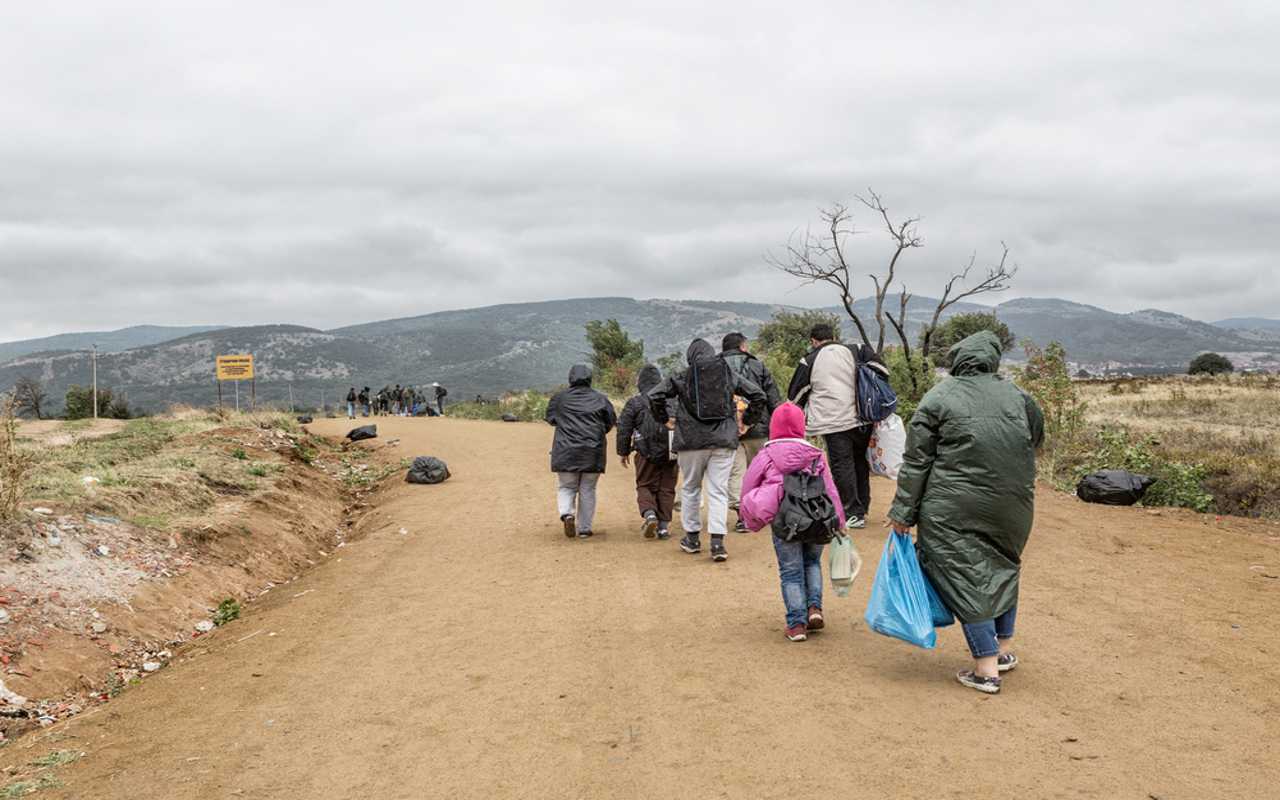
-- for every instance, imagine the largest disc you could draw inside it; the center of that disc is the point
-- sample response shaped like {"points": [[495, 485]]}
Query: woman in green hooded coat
{"points": [[968, 484]]}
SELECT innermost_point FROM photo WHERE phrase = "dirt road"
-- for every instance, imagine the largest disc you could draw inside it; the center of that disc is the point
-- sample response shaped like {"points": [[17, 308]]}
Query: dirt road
{"points": [[483, 655]]}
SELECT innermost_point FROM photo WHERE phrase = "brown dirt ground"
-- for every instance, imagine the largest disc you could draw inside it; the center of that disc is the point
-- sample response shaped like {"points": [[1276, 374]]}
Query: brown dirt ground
{"points": [[482, 655]]}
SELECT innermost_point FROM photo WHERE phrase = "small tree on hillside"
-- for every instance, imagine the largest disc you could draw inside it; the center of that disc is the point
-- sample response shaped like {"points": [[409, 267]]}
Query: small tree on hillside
{"points": [[1210, 364], [79, 402], [615, 356], [29, 397], [962, 326]]}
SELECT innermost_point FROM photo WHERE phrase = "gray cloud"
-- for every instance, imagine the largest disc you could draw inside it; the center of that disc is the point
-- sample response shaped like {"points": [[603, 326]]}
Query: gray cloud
{"points": [[251, 163]]}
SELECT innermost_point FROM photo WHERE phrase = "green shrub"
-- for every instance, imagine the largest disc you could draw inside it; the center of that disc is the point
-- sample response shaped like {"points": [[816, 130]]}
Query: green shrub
{"points": [[910, 392], [1177, 484], [228, 610]]}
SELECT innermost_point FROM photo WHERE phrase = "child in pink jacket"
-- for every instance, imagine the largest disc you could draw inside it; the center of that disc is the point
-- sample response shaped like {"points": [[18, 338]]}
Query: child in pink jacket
{"points": [[799, 564]]}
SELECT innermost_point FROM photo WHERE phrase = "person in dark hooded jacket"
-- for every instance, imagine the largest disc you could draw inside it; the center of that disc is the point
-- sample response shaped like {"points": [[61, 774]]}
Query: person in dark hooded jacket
{"points": [[656, 468], [968, 484], [582, 418], [754, 429], [705, 447]]}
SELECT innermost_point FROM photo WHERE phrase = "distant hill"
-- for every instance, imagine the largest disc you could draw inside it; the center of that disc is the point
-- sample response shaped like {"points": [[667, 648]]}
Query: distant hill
{"points": [[493, 349], [1249, 324], [1147, 338], [107, 341]]}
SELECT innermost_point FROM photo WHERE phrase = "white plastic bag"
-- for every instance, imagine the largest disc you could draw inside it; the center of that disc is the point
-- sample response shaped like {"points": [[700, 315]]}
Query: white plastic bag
{"points": [[843, 563], [888, 441]]}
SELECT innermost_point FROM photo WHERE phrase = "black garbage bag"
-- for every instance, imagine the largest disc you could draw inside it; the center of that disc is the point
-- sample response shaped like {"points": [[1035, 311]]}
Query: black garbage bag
{"points": [[1113, 487], [510, 418], [305, 420], [362, 433], [426, 469]]}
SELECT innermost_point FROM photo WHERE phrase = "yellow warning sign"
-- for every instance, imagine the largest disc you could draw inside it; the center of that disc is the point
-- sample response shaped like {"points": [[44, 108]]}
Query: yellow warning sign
{"points": [[235, 368]]}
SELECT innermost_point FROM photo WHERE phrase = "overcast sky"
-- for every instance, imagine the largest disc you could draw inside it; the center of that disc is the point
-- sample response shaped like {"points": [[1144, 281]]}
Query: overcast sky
{"points": [[244, 163]]}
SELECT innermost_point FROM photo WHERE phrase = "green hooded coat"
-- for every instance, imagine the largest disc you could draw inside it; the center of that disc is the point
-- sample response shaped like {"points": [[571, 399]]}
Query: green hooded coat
{"points": [[968, 481]]}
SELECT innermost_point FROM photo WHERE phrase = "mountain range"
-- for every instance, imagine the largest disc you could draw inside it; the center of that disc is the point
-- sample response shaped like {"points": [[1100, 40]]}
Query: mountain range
{"points": [[531, 345]]}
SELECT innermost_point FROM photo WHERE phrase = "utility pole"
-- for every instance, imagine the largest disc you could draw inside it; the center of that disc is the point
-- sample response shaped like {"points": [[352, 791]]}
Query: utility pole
{"points": [[94, 359]]}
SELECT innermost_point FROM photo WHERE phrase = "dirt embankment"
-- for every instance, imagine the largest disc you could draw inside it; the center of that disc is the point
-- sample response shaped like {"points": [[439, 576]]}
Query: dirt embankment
{"points": [[101, 583]]}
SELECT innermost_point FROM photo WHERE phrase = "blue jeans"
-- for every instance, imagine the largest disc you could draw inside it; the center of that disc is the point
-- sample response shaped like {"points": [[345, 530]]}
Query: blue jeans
{"points": [[983, 637], [800, 568], [351, 410]]}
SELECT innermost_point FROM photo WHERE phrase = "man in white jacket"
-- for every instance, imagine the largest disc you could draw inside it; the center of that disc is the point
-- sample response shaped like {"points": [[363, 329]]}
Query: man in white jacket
{"points": [[825, 385]]}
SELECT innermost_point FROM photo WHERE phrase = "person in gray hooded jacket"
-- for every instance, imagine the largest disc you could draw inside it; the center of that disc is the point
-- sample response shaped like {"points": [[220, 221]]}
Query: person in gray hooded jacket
{"points": [[582, 418], [705, 447]]}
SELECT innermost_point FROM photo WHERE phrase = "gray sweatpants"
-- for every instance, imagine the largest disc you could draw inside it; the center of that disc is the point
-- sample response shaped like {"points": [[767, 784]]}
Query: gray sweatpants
{"points": [[747, 450], [577, 495], [715, 466]]}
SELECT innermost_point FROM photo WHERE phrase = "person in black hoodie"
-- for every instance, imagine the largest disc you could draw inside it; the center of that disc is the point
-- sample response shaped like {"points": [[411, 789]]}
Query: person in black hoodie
{"points": [[705, 447], [656, 469], [351, 403], [582, 418]]}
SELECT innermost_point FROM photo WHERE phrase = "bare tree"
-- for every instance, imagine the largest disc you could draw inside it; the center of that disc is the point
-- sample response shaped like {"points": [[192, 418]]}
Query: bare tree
{"points": [[999, 276], [821, 258], [29, 397], [905, 238]]}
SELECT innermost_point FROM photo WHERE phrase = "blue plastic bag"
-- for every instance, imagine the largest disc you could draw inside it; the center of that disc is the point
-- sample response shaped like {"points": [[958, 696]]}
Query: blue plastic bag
{"points": [[899, 605], [942, 616]]}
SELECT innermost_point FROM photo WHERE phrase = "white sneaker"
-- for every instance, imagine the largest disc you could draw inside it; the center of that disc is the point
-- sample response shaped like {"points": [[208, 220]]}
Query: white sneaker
{"points": [[856, 523]]}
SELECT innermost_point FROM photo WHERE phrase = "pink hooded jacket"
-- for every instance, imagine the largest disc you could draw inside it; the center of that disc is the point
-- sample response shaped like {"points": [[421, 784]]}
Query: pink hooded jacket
{"points": [[785, 452]]}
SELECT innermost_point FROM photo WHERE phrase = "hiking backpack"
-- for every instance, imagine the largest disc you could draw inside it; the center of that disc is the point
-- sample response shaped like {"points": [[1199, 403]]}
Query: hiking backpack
{"points": [[711, 390], [806, 512], [876, 398]]}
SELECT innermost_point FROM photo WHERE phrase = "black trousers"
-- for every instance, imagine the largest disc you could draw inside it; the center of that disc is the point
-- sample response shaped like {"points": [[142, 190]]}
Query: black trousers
{"points": [[847, 451]]}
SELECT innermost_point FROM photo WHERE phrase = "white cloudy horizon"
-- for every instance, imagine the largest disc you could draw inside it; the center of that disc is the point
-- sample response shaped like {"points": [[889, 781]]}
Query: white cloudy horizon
{"points": [[232, 164]]}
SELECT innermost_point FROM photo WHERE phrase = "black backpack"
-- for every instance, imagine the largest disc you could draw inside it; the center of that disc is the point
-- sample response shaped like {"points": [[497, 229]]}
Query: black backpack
{"points": [[806, 512], [710, 390]]}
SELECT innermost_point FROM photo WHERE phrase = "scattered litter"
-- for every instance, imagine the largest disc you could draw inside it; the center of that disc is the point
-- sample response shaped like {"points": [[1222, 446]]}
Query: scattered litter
{"points": [[89, 480], [300, 594], [99, 627], [150, 666], [247, 638], [41, 510], [102, 550], [404, 531], [4, 616], [205, 625], [102, 520]]}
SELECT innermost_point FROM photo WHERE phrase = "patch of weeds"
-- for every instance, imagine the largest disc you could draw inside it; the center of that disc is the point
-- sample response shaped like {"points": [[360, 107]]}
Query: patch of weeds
{"points": [[156, 522], [57, 758], [228, 610], [239, 454], [258, 470], [24, 788], [115, 685]]}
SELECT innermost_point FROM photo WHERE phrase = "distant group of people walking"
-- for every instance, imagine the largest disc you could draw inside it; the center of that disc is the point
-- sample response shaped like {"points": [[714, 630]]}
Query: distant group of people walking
{"points": [[396, 401], [721, 428]]}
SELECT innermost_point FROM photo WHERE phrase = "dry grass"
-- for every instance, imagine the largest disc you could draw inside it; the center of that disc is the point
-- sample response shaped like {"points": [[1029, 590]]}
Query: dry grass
{"points": [[16, 462], [1231, 425], [159, 470]]}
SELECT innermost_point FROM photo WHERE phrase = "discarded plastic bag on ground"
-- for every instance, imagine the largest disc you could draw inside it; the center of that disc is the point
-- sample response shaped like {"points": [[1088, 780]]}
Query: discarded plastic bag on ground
{"points": [[843, 564], [1113, 487], [899, 605], [362, 433], [888, 441], [426, 469]]}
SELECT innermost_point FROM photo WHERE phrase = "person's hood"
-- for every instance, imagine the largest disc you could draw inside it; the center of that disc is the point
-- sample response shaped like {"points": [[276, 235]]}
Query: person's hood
{"points": [[580, 375], [699, 349], [649, 377], [976, 354], [787, 422]]}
